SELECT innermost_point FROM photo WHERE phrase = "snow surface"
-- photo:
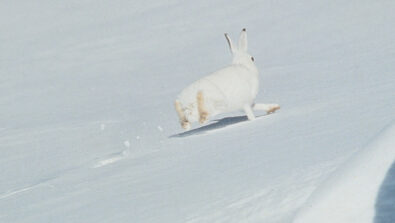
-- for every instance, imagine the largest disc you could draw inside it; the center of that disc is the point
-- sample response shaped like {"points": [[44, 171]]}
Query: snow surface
{"points": [[88, 132], [351, 193]]}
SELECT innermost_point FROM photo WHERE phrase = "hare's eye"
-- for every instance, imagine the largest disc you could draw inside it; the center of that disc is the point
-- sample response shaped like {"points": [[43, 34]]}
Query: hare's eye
{"points": [[252, 58]]}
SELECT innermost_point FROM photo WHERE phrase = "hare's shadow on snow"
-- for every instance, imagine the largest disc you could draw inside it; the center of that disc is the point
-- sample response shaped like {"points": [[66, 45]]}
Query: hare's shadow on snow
{"points": [[216, 124]]}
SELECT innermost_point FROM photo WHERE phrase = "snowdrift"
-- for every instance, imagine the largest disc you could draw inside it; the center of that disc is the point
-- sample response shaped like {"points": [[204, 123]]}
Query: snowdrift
{"points": [[351, 193]]}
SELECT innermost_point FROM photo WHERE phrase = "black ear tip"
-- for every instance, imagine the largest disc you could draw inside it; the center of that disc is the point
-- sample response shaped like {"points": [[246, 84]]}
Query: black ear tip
{"points": [[244, 29]]}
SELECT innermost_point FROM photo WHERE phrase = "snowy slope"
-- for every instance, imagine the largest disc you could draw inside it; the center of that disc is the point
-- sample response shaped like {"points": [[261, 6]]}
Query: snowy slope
{"points": [[351, 193], [88, 132]]}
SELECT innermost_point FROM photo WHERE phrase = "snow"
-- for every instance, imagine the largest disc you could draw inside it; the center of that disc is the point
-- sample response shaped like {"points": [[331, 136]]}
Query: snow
{"points": [[79, 79], [350, 194], [127, 143]]}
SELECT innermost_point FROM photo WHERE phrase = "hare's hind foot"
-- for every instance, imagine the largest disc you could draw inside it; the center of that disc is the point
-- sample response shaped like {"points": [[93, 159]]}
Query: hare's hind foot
{"points": [[185, 125], [203, 117], [183, 120], [203, 114]]}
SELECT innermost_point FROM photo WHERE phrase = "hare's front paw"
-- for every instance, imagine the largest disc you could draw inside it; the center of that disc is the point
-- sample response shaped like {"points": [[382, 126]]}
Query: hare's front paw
{"points": [[273, 109]]}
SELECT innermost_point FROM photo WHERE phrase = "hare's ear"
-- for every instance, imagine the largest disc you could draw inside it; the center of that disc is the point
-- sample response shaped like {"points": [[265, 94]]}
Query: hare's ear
{"points": [[232, 49], [243, 43]]}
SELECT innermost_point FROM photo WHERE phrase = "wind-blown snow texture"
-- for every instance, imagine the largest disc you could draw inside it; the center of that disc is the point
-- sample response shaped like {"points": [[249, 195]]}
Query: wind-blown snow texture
{"points": [[88, 132], [350, 194]]}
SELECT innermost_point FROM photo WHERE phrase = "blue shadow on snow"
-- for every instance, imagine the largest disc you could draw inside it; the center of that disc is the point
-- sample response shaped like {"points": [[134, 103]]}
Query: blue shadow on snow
{"points": [[216, 124], [385, 201]]}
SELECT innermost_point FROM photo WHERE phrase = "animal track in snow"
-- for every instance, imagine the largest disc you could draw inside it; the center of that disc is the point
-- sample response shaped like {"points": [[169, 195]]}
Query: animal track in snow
{"points": [[29, 188], [114, 157]]}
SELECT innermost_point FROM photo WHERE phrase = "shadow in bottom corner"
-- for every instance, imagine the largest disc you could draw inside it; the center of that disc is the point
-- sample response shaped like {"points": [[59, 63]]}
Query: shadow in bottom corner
{"points": [[217, 124], [385, 202]]}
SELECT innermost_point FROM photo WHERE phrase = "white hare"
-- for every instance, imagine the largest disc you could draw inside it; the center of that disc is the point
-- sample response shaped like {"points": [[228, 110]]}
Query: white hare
{"points": [[228, 89]]}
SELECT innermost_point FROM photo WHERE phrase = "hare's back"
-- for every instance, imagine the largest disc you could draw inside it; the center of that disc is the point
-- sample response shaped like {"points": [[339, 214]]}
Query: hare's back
{"points": [[236, 83]]}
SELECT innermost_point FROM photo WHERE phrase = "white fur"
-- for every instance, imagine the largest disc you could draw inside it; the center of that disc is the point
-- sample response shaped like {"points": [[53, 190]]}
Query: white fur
{"points": [[229, 89]]}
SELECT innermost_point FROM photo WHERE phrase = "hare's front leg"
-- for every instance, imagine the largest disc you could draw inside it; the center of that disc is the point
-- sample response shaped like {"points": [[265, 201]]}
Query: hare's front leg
{"points": [[203, 114], [269, 108], [249, 113], [183, 120]]}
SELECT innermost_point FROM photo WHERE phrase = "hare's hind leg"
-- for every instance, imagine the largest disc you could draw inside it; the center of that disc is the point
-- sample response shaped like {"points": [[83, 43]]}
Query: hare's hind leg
{"points": [[203, 114], [183, 120], [269, 108]]}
